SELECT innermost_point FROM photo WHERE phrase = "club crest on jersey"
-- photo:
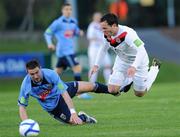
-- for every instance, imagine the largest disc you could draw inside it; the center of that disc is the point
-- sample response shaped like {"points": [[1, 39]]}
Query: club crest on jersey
{"points": [[44, 94], [118, 40]]}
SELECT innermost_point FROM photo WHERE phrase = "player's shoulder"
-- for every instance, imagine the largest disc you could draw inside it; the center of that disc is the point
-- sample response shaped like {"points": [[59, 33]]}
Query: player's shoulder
{"points": [[126, 29], [26, 81], [48, 72], [59, 19]]}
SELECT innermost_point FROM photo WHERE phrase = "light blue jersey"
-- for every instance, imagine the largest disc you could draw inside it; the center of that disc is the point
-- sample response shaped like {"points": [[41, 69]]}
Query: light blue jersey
{"points": [[63, 29], [46, 92]]}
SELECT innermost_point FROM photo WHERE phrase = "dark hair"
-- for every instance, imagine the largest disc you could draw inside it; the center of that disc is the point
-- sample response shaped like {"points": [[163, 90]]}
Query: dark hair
{"points": [[32, 64], [66, 4], [110, 18]]}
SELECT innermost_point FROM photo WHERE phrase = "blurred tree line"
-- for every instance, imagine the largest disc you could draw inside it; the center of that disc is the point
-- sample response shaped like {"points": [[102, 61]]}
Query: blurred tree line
{"points": [[14, 13]]}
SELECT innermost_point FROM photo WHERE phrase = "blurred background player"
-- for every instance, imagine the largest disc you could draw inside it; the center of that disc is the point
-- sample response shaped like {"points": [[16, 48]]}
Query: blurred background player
{"points": [[64, 29], [95, 37], [131, 61]]}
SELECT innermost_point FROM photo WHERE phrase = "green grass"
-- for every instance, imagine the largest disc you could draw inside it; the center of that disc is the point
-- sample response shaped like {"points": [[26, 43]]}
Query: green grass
{"points": [[154, 115], [21, 46]]}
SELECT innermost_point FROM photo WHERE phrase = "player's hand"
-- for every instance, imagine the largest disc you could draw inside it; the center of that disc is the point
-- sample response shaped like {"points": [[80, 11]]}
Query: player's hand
{"points": [[51, 47], [81, 33], [75, 119], [131, 71], [93, 70]]}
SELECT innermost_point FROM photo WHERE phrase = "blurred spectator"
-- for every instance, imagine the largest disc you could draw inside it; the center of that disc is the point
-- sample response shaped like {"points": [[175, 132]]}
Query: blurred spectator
{"points": [[120, 8], [95, 37]]}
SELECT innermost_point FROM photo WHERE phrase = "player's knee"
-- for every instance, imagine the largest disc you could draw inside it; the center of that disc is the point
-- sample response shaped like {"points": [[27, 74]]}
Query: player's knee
{"points": [[77, 69], [59, 70], [139, 93]]}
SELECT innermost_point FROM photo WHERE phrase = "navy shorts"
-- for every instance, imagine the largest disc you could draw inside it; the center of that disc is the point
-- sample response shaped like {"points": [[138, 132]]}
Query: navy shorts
{"points": [[61, 112], [67, 61]]}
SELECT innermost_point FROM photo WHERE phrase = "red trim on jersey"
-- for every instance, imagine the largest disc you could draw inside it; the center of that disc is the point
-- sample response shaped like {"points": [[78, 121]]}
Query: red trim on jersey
{"points": [[117, 40]]}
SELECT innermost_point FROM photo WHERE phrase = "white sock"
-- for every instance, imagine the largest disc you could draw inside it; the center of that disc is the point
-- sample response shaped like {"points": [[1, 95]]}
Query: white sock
{"points": [[152, 74], [126, 82], [106, 73]]}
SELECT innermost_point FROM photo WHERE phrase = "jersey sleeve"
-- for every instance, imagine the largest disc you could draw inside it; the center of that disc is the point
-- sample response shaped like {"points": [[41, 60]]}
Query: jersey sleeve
{"points": [[77, 29], [61, 86], [101, 53], [134, 41], [24, 94], [50, 32]]}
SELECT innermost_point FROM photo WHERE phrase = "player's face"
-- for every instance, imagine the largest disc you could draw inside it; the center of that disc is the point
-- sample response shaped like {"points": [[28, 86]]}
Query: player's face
{"points": [[67, 11], [35, 74], [107, 29]]}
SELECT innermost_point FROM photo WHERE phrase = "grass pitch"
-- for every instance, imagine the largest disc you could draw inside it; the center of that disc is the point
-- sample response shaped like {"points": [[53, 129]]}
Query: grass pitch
{"points": [[154, 115]]}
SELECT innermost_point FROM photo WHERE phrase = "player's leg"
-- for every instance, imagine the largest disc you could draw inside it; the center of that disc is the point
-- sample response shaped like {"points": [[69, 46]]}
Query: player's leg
{"points": [[60, 65], [117, 77], [62, 113], [153, 72], [140, 79], [144, 80], [77, 72], [59, 70], [75, 66], [126, 85], [95, 87]]}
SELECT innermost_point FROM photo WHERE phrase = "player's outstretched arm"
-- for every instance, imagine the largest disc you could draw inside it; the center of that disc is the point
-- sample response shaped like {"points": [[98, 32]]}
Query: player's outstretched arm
{"points": [[23, 113], [93, 70]]}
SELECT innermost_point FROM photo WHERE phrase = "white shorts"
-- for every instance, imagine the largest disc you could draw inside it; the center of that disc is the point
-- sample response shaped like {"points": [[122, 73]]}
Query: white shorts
{"points": [[120, 74], [92, 54]]}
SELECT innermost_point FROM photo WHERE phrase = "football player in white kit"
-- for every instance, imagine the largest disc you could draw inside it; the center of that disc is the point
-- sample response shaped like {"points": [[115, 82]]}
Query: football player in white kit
{"points": [[95, 37], [132, 61]]}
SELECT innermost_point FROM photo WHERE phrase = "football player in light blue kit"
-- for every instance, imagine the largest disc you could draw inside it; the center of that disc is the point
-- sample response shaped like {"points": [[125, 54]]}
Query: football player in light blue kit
{"points": [[64, 29], [54, 95]]}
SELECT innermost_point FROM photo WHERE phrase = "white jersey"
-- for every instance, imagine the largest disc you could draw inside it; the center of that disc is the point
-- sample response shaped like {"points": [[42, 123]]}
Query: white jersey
{"points": [[128, 47]]}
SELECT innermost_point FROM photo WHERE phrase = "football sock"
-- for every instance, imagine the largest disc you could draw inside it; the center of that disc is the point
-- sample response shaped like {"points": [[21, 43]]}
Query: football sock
{"points": [[100, 88], [152, 74], [126, 82], [77, 76], [106, 73]]}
